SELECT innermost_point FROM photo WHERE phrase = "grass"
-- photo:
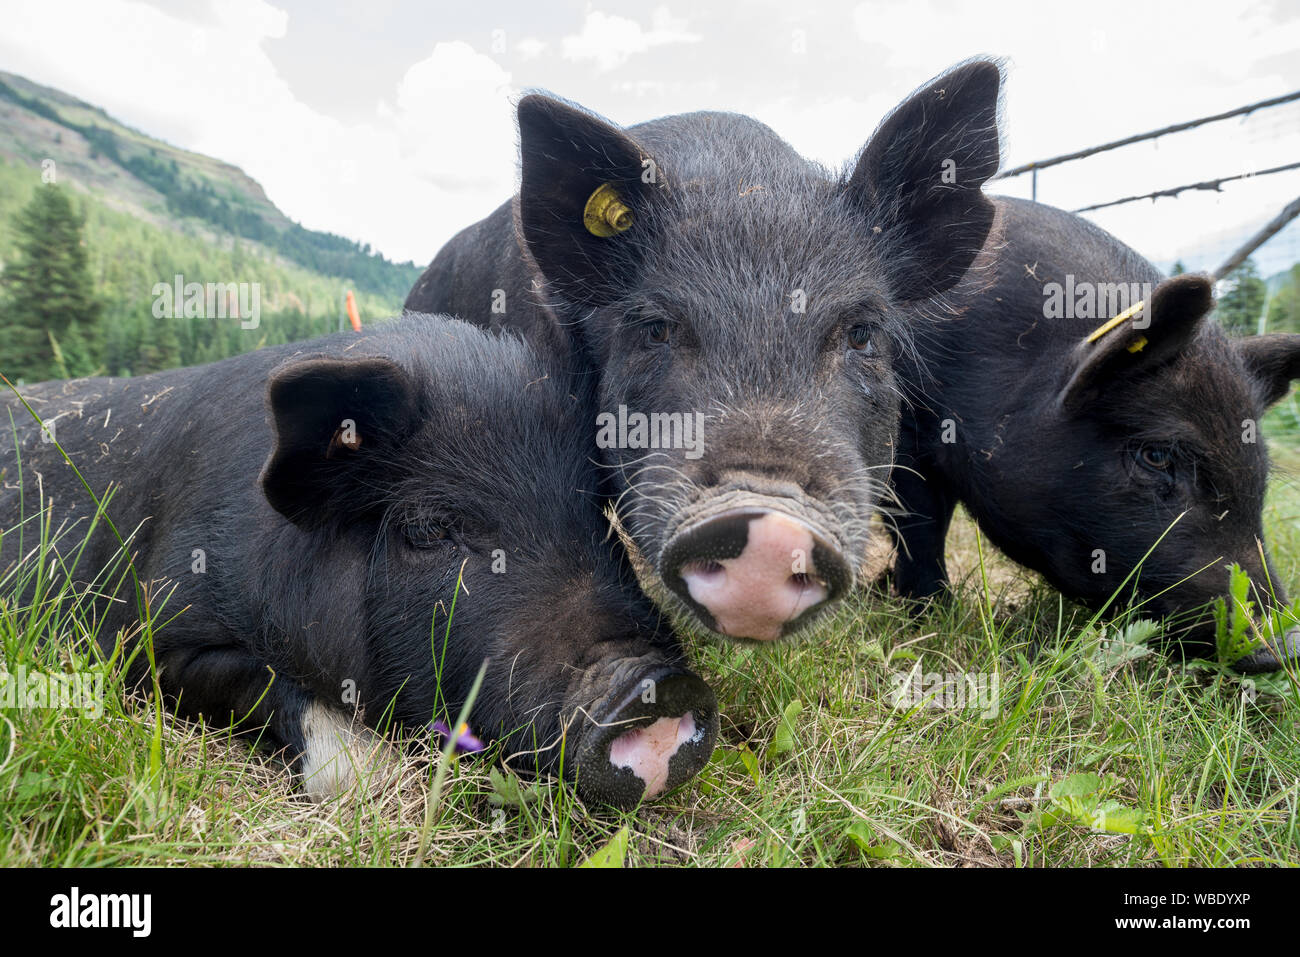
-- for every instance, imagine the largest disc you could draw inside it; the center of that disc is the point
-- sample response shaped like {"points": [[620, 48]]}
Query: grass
{"points": [[1099, 753]]}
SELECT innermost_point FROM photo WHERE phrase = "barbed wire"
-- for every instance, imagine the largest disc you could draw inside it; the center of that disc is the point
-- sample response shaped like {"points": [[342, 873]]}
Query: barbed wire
{"points": [[1279, 124], [1209, 184], [1139, 137]]}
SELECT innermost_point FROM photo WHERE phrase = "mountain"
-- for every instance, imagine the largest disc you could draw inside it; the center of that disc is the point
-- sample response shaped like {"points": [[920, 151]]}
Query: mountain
{"points": [[154, 211]]}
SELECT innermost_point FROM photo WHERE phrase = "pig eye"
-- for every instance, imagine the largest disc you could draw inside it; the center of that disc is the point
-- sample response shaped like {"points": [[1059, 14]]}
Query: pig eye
{"points": [[426, 535], [657, 332], [1157, 458], [1156, 462], [860, 338]]}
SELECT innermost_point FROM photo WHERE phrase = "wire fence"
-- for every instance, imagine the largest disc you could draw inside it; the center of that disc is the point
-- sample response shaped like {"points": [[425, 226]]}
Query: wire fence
{"points": [[1224, 187]]}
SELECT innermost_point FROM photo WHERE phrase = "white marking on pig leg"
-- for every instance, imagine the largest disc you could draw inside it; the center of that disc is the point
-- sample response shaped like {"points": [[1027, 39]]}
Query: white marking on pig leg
{"points": [[646, 751], [337, 749]]}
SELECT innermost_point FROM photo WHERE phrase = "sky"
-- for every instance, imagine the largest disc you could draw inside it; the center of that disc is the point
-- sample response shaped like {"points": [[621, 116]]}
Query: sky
{"points": [[391, 122]]}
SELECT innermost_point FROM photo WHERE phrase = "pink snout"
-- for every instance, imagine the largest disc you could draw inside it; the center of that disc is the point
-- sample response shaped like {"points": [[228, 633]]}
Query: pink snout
{"points": [[646, 752], [654, 732], [754, 572]]}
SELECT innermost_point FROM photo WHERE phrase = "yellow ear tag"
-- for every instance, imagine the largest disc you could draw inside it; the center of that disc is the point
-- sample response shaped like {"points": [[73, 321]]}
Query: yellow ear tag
{"points": [[605, 214], [1110, 324], [1139, 345]]}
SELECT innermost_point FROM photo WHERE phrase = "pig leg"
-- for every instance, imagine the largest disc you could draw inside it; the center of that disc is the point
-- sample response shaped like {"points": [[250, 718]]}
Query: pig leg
{"points": [[336, 750], [227, 686], [919, 531]]}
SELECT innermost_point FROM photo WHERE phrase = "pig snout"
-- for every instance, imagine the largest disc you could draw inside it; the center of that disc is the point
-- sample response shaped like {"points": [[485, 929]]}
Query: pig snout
{"points": [[1271, 657], [655, 731], [754, 571]]}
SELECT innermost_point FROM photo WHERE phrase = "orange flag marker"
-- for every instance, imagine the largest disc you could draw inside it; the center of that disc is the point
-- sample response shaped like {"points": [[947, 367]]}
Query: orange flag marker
{"points": [[353, 315]]}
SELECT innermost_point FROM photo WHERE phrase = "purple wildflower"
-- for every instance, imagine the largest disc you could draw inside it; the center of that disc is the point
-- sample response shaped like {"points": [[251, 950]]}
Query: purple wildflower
{"points": [[465, 741]]}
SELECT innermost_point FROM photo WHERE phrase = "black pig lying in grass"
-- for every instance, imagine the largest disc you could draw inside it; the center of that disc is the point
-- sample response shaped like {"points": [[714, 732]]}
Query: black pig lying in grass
{"points": [[1075, 442], [702, 269], [325, 545]]}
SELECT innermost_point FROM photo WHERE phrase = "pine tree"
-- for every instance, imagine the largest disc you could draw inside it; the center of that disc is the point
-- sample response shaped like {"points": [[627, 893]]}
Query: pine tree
{"points": [[1284, 309], [160, 347], [50, 303], [1240, 307]]}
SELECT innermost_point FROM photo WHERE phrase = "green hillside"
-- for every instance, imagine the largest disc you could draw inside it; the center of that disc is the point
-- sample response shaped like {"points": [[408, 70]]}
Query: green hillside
{"points": [[154, 211]]}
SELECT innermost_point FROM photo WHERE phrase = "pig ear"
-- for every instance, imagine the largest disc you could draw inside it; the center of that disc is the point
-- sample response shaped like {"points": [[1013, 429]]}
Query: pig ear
{"points": [[1273, 361], [584, 202], [1144, 340], [337, 422], [919, 179]]}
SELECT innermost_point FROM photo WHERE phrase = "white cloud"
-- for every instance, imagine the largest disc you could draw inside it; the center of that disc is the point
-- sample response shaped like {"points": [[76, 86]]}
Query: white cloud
{"points": [[828, 130], [405, 181], [531, 47], [610, 40], [438, 151], [453, 118]]}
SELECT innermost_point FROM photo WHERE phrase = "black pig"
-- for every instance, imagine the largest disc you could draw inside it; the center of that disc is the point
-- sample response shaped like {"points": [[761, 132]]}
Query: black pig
{"points": [[700, 268], [1074, 448], [325, 545]]}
